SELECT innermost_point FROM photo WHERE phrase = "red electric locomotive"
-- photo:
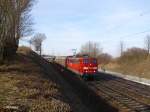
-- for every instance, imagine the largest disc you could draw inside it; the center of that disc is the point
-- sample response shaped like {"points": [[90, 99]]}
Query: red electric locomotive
{"points": [[84, 66]]}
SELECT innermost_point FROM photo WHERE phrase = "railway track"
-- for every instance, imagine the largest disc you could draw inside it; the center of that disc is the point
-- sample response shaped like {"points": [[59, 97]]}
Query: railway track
{"points": [[132, 87], [129, 96], [124, 95], [89, 97]]}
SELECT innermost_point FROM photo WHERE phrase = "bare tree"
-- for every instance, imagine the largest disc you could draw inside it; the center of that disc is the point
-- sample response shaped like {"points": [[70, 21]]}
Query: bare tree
{"points": [[147, 44], [37, 41], [133, 55], [11, 24], [104, 58], [91, 48]]}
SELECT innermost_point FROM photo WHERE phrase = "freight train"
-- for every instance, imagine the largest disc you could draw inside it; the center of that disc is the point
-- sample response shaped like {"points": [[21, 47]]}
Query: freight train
{"points": [[85, 66]]}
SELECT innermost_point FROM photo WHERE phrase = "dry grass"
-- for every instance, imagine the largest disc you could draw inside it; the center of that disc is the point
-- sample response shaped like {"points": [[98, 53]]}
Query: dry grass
{"points": [[24, 88], [140, 69]]}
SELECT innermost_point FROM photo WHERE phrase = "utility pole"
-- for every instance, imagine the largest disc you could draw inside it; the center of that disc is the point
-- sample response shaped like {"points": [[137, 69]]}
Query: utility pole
{"points": [[30, 42], [74, 51], [121, 48]]}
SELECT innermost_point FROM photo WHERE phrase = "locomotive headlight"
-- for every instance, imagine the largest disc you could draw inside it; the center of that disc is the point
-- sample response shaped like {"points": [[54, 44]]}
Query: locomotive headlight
{"points": [[85, 68]]}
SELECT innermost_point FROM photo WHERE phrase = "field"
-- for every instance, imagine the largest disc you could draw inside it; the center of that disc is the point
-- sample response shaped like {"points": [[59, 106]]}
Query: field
{"points": [[140, 69]]}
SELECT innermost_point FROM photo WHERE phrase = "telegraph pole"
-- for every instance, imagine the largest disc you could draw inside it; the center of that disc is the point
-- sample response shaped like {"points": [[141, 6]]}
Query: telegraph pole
{"points": [[74, 51]]}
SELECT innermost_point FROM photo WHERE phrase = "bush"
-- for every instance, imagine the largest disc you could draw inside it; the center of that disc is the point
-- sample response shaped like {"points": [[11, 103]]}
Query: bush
{"points": [[132, 56], [104, 58]]}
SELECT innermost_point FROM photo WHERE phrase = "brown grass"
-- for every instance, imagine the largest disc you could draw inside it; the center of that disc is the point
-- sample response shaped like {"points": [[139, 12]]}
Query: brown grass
{"points": [[24, 88], [140, 69]]}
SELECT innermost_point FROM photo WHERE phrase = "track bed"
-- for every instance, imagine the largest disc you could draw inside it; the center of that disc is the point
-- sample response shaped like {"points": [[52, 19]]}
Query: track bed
{"points": [[126, 95], [89, 98]]}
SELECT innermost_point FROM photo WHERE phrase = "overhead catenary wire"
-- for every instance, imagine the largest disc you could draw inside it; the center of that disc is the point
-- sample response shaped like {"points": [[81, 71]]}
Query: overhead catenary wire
{"points": [[120, 25], [144, 13], [137, 33]]}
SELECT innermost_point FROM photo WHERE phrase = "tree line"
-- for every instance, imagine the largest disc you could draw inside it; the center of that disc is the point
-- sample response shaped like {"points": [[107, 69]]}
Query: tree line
{"points": [[15, 22], [133, 54], [93, 49]]}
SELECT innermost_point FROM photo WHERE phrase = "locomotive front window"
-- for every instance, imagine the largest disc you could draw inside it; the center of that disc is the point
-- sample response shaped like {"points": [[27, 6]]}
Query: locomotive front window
{"points": [[94, 61], [85, 61]]}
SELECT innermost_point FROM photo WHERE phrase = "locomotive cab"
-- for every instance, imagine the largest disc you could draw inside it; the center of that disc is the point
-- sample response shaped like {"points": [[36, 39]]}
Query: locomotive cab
{"points": [[89, 67], [84, 66]]}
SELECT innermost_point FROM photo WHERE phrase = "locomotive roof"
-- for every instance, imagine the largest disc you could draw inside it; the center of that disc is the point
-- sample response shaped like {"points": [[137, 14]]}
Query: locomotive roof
{"points": [[75, 57]]}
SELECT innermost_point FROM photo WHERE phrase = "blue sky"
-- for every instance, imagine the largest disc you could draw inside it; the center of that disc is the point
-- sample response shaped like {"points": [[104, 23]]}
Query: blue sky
{"points": [[69, 24]]}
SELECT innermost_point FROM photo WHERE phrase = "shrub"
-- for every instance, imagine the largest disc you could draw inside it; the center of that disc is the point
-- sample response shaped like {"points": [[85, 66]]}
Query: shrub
{"points": [[132, 56]]}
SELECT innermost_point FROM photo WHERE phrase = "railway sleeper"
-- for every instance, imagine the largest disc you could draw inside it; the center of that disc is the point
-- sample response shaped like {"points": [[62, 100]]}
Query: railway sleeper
{"points": [[128, 102]]}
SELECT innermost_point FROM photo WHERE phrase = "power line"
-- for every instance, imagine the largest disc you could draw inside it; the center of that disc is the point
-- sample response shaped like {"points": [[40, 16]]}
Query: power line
{"points": [[144, 13], [133, 34], [138, 15]]}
